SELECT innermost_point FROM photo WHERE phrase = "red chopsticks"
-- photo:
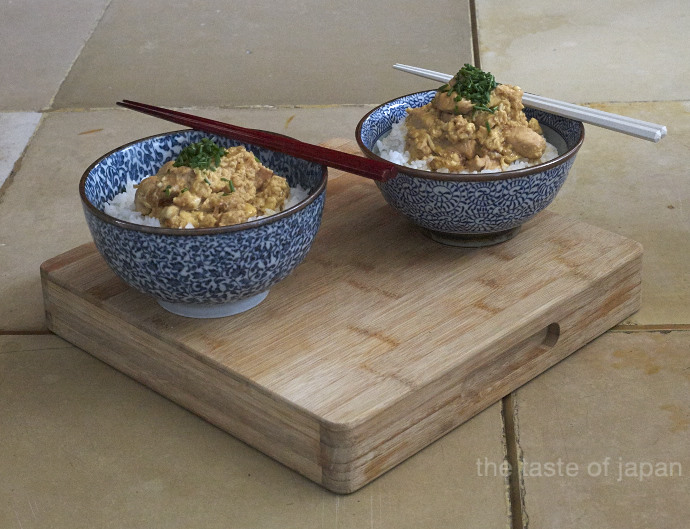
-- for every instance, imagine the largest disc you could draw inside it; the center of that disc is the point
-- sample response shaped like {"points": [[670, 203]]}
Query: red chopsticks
{"points": [[374, 169]]}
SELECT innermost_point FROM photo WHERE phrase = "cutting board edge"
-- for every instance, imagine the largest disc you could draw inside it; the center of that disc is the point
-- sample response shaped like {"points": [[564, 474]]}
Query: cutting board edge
{"points": [[351, 466]]}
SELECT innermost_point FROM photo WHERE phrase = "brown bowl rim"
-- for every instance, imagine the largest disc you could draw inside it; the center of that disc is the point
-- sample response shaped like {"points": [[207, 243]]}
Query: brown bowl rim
{"points": [[467, 177], [183, 231]]}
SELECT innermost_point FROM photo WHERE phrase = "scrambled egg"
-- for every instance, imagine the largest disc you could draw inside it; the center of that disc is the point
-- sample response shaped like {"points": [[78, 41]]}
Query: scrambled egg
{"points": [[451, 134], [239, 188]]}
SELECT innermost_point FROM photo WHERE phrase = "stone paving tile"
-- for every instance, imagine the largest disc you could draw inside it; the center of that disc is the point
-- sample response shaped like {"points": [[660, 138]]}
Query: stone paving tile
{"points": [[16, 129], [63, 147], [587, 51], [604, 435], [85, 446], [638, 189], [40, 41], [265, 52]]}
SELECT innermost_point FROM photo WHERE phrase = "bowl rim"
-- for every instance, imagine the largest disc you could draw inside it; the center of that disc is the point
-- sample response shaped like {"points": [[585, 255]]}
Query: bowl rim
{"points": [[196, 231], [465, 177]]}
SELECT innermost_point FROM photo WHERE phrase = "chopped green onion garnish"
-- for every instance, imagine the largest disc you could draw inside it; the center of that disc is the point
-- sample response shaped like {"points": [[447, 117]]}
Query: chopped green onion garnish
{"points": [[475, 85], [206, 180], [204, 154], [232, 187]]}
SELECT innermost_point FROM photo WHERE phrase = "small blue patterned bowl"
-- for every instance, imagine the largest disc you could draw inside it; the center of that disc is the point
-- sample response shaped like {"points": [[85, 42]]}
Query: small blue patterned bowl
{"points": [[205, 272], [471, 209]]}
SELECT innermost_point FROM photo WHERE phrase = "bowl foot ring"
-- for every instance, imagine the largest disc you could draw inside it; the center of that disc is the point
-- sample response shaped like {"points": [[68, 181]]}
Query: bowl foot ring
{"points": [[471, 240], [213, 310]]}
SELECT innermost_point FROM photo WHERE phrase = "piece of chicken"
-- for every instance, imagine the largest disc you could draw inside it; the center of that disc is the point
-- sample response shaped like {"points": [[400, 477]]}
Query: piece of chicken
{"points": [[525, 142]]}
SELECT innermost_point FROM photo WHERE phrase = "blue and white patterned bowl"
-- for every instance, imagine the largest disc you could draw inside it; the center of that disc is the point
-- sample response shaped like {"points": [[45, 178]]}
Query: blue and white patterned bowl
{"points": [[205, 272], [471, 209]]}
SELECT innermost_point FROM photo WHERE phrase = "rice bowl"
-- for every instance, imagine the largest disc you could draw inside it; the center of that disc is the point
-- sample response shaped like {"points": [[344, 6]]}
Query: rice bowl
{"points": [[469, 209], [204, 272]]}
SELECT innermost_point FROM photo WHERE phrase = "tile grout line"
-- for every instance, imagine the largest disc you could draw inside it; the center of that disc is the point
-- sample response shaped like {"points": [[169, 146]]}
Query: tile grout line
{"points": [[44, 332], [506, 478], [18, 162], [300, 106], [76, 58], [652, 327], [516, 496]]}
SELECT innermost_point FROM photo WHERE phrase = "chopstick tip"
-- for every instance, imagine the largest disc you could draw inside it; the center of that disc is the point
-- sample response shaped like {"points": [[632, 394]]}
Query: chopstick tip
{"points": [[389, 173], [658, 134]]}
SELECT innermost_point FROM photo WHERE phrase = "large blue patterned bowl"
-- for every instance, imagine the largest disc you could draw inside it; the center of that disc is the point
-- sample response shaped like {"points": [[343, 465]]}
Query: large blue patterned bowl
{"points": [[471, 209], [205, 272]]}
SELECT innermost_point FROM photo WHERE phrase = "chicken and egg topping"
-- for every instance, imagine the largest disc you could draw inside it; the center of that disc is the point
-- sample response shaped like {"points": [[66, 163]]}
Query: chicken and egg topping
{"points": [[473, 124], [209, 186]]}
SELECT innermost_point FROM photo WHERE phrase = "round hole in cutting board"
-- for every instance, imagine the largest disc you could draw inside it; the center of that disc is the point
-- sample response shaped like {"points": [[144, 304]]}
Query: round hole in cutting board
{"points": [[553, 332]]}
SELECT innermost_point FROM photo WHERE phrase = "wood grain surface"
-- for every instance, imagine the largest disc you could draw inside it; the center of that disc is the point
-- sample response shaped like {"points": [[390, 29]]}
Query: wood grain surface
{"points": [[379, 343]]}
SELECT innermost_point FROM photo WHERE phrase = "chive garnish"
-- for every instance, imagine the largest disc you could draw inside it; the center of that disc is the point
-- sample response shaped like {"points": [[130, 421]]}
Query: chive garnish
{"points": [[184, 189], [488, 127], [167, 191], [230, 186], [475, 85], [204, 154], [206, 180]]}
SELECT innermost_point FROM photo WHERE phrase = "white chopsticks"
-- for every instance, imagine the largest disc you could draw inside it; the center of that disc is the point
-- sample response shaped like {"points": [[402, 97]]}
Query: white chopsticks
{"points": [[607, 120]]}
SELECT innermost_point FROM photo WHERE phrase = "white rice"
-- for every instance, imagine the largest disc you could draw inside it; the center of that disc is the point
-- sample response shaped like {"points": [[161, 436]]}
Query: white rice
{"points": [[122, 206], [392, 148]]}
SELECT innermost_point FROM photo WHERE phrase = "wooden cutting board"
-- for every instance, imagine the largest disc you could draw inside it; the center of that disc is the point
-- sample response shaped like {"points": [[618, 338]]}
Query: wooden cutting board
{"points": [[379, 343]]}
